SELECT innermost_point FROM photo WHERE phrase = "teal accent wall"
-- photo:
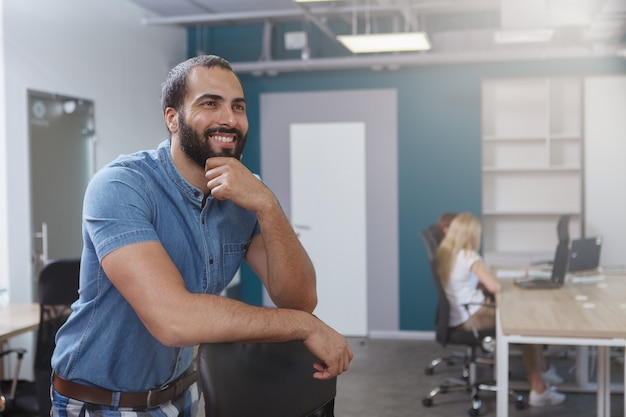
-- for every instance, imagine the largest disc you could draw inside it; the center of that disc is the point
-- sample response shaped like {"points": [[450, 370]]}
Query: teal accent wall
{"points": [[439, 153]]}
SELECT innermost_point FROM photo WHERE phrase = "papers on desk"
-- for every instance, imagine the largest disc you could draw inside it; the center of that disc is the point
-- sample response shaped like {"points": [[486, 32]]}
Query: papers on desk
{"points": [[614, 270], [586, 279], [510, 273], [523, 273]]}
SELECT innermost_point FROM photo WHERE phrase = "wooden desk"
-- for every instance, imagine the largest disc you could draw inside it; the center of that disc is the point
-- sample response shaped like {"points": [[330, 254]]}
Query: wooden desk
{"points": [[18, 318], [590, 314]]}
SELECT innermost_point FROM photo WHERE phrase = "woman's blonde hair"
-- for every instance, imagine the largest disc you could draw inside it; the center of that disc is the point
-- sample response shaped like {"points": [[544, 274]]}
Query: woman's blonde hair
{"points": [[463, 234]]}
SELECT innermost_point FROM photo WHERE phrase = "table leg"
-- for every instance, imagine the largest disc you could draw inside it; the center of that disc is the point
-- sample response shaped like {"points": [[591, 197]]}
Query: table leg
{"points": [[604, 381], [502, 362], [582, 366]]}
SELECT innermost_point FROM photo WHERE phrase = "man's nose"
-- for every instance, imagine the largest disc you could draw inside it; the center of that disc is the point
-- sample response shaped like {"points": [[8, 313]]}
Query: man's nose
{"points": [[227, 116]]}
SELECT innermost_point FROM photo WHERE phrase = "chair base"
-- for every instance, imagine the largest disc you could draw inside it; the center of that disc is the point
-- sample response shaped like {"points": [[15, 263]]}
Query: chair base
{"points": [[476, 403], [450, 360], [469, 382]]}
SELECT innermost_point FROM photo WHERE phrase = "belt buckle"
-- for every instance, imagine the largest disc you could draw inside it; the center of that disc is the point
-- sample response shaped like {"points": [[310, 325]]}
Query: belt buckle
{"points": [[154, 395]]}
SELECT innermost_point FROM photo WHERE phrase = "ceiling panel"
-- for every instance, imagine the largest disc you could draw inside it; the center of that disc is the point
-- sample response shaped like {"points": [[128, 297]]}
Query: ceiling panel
{"points": [[581, 27]]}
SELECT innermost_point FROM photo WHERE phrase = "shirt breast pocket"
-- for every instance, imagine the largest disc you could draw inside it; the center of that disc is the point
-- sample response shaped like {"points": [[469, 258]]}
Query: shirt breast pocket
{"points": [[233, 254]]}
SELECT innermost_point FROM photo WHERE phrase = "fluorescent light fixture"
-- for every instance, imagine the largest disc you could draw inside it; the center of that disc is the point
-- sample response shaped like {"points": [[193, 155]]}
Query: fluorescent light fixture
{"points": [[386, 42], [523, 36]]}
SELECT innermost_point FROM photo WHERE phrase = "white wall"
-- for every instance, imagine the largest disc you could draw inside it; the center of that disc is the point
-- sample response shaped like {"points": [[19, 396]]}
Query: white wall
{"points": [[94, 50], [4, 238], [605, 170]]}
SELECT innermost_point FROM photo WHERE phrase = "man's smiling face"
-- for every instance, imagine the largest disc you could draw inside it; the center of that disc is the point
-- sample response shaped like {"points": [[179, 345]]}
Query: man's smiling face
{"points": [[213, 120]]}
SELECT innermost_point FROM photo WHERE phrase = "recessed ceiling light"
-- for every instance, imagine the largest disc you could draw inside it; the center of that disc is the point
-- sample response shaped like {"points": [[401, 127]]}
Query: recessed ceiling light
{"points": [[386, 42]]}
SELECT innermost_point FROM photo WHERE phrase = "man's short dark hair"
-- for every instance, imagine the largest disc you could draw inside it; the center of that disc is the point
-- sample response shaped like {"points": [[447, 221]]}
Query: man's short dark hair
{"points": [[174, 88]]}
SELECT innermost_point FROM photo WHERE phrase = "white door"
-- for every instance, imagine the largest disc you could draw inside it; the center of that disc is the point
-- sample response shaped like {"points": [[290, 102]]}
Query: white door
{"points": [[327, 163], [61, 134]]}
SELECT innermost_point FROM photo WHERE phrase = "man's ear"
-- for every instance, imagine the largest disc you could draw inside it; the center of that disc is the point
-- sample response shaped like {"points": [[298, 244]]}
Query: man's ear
{"points": [[171, 119]]}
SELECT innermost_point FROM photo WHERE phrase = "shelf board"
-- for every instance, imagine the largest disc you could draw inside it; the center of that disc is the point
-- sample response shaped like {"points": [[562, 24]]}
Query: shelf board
{"points": [[524, 170], [569, 136], [516, 138], [530, 213]]}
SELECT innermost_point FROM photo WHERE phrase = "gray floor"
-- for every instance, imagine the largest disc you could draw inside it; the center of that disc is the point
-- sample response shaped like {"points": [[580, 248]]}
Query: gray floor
{"points": [[386, 378]]}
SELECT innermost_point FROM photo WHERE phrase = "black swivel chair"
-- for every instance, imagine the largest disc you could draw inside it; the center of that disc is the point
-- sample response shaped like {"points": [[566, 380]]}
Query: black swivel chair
{"points": [[58, 289], [474, 342], [263, 379], [562, 228], [17, 397], [430, 242]]}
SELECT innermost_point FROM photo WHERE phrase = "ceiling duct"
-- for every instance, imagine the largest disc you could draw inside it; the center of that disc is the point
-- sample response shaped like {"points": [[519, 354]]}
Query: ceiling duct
{"points": [[522, 15], [523, 22]]}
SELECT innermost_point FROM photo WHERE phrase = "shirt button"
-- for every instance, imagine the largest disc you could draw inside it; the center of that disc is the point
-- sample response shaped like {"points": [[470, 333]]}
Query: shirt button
{"points": [[211, 261]]}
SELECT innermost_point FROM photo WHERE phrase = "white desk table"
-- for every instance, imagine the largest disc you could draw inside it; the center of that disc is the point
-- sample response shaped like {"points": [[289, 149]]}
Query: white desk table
{"points": [[576, 314]]}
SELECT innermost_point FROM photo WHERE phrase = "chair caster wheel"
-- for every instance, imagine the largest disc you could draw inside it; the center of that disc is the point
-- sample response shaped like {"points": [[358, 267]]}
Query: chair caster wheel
{"points": [[472, 412], [429, 371], [427, 402], [520, 405]]}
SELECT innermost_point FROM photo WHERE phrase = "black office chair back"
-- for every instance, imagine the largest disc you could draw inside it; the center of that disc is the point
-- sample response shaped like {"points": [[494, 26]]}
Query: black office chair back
{"points": [[430, 241], [58, 289], [263, 379], [442, 330], [562, 229], [444, 334]]}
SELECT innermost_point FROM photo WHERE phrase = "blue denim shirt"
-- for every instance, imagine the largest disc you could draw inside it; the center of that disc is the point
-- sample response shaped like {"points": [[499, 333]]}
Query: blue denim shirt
{"points": [[137, 198]]}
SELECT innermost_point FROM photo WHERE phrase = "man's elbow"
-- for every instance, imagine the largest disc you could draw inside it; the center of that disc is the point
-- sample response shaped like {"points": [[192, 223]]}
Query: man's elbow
{"points": [[168, 334], [304, 302], [311, 303]]}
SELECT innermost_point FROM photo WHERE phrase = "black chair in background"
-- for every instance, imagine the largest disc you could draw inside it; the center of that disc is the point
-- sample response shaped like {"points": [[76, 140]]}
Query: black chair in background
{"points": [[58, 289], [263, 379], [17, 397], [475, 342], [428, 235], [562, 228]]}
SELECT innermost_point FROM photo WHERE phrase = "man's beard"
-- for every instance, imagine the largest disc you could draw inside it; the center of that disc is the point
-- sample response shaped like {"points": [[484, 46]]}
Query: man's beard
{"points": [[199, 149]]}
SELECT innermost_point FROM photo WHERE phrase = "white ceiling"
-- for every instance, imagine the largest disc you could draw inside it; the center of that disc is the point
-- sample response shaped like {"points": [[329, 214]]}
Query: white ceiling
{"points": [[583, 28], [188, 7]]}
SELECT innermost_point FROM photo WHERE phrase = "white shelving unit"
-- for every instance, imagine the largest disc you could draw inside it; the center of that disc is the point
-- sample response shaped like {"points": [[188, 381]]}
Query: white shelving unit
{"points": [[532, 145]]}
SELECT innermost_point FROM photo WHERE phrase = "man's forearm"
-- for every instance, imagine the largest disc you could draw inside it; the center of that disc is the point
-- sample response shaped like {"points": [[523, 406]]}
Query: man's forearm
{"points": [[290, 272]]}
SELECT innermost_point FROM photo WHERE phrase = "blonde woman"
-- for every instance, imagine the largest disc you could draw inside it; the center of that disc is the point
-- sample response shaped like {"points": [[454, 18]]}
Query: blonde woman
{"points": [[465, 279]]}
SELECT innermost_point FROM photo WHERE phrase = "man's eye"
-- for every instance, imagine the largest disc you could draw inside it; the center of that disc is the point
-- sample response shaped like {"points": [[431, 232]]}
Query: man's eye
{"points": [[239, 107], [210, 103]]}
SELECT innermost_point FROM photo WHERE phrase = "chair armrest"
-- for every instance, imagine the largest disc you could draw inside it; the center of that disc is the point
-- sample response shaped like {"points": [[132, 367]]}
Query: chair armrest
{"points": [[19, 351], [471, 321]]}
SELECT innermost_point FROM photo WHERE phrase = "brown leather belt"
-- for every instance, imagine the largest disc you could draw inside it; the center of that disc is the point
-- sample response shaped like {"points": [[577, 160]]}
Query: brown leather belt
{"points": [[146, 399]]}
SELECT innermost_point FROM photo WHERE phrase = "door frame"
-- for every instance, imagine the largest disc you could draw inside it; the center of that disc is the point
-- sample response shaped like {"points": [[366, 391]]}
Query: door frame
{"points": [[279, 110], [61, 113]]}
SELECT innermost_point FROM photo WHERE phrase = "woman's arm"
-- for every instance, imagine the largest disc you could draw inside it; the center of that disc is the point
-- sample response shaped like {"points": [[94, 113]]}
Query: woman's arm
{"points": [[489, 282]]}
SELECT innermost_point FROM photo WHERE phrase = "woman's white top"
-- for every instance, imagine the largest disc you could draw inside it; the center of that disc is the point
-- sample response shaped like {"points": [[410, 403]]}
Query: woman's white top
{"points": [[462, 288]]}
